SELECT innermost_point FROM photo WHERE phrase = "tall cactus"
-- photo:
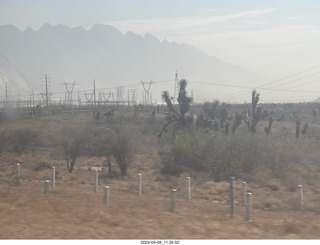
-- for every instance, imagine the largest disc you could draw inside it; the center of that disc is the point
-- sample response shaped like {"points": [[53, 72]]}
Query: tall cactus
{"points": [[255, 113]]}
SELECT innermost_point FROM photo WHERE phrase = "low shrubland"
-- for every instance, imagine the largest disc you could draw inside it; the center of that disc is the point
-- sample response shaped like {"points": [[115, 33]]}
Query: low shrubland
{"points": [[204, 146], [241, 155]]}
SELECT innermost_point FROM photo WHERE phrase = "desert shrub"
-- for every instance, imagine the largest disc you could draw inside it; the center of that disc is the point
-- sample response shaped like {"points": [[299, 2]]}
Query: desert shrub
{"points": [[19, 140], [105, 142], [215, 116], [72, 142], [42, 166], [222, 155]]}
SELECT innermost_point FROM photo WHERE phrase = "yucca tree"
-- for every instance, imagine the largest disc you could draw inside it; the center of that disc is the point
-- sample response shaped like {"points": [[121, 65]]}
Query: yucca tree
{"points": [[255, 113], [181, 118]]}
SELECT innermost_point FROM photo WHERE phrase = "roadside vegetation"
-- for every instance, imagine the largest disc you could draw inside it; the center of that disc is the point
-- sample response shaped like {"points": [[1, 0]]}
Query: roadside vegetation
{"points": [[214, 139]]}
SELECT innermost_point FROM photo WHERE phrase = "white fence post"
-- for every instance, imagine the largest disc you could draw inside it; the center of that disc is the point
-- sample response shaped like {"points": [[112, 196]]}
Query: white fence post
{"points": [[139, 184], [106, 195], [232, 201], [95, 181], [248, 206], [300, 197], [244, 191], [18, 174], [173, 201], [53, 176], [46, 188], [188, 183]]}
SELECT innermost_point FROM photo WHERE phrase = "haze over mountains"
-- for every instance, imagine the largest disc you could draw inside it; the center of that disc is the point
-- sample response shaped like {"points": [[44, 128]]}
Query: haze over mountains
{"points": [[111, 58]]}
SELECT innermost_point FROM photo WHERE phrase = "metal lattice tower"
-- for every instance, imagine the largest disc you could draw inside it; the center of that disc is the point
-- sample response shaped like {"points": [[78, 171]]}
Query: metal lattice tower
{"points": [[146, 89], [46, 96], [69, 91], [120, 93], [107, 97]]}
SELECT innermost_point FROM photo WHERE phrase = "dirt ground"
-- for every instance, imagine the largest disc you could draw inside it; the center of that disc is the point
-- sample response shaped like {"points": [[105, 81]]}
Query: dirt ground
{"points": [[74, 211]]}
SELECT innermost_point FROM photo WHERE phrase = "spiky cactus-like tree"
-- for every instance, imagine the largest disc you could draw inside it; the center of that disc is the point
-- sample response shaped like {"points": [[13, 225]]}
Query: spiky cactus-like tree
{"points": [[255, 113], [181, 118]]}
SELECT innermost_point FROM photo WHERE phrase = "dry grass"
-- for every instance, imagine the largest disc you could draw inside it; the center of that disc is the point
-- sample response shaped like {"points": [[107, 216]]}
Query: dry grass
{"points": [[74, 211]]}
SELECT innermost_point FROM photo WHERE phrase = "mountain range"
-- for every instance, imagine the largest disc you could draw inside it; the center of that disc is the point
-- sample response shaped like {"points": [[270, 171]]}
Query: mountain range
{"points": [[110, 58]]}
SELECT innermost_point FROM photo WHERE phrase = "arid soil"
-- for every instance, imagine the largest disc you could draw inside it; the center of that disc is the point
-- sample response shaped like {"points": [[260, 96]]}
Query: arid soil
{"points": [[74, 211]]}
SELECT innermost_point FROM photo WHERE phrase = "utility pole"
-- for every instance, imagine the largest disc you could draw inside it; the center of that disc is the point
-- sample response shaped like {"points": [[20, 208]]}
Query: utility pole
{"points": [[79, 100], [6, 95], [134, 96], [128, 97], [46, 90], [46, 96], [120, 92], [176, 88], [94, 93], [32, 98]]}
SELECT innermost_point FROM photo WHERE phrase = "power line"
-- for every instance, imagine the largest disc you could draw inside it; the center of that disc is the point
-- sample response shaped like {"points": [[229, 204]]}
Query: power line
{"points": [[277, 80], [293, 75], [9, 63], [247, 87]]}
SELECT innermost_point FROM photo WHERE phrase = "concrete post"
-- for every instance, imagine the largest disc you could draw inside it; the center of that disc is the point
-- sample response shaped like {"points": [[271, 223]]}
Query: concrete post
{"points": [[188, 183], [46, 188], [300, 197], [18, 174], [232, 201], [95, 181], [248, 206], [173, 200], [53, 177], [139, 184], [243, 192], [106, 195]]}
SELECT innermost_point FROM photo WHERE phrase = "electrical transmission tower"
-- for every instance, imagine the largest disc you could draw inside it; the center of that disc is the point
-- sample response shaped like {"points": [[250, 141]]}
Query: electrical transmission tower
{"points": [[69, 88], [107, 97], [46, 96], [146, 87], [89, 97], [120, 93], [134, 96]]}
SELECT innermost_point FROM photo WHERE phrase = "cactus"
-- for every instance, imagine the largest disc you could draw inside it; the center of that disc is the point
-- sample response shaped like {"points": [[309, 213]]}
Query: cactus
{"points": [[268, 129], [255, 113], [184, 101]]}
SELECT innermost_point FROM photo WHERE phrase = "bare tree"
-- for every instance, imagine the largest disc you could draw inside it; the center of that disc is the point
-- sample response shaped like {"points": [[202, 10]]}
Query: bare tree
{"points": [[72, 143]]}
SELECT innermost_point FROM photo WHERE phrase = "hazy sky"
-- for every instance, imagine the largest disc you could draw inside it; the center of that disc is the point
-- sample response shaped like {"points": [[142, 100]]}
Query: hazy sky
{"points": [[276, 38]]}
